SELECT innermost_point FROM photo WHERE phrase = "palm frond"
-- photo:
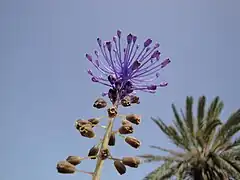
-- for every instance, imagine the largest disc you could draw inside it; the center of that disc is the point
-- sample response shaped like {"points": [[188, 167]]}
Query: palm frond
{"points": [[148, 158], [172, 152], [159, 172], [189, 115], [177, 140], [201, 112]]}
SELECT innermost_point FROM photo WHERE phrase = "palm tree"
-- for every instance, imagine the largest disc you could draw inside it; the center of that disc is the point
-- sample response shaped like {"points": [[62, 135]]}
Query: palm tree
{"points": [[206, 149]]}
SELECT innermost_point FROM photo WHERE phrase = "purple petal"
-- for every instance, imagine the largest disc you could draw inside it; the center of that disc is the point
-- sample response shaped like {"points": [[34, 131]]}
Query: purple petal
{"points": [[119, 33], [147, 42], [94, 79], [89, 57], [165, 62], [90, 72], [152, 87], [109, 45], [99, 42], [134, 39], [129, 38]]}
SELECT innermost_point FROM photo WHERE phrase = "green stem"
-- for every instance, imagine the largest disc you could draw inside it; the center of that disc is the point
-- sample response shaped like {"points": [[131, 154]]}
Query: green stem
{"points": [[99, 165], [97, 172]]}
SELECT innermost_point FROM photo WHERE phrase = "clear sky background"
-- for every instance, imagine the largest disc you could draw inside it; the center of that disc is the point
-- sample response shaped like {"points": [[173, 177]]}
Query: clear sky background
{"points": [[45, 87]]}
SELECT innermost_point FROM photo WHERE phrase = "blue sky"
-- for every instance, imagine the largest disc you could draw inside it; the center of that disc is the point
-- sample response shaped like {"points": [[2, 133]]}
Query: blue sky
{"points": [[45, 87]]}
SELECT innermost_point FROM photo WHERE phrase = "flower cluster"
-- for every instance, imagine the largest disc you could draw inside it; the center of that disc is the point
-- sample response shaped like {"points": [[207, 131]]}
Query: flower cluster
{"points": [[99, 151], [125, 70]]}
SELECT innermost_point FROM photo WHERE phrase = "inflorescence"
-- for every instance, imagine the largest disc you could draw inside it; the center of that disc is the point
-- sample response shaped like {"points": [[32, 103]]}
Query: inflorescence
{"points": [[123, 71]]}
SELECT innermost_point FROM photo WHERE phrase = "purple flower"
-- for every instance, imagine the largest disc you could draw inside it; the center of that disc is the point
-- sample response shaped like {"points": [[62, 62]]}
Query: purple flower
{"points": [[128, 69]]}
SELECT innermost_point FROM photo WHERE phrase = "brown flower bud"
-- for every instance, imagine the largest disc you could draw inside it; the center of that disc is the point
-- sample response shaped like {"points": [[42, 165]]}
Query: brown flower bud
{"points": [[126, 122], [133, 118], [87, 131], [125, 129], [65, 167], [74, 160], [112, 139], [131, 161], [94, 121], [112, 112], [135, 100], [104, 153], [126, 101], [80, 122], [100, 103], [133, 142], [120, 167], [93, 152]]}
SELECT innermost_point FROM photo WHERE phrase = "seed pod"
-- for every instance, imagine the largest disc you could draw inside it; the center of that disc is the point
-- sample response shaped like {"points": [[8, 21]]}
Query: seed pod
{"points": [[133, 118], [87, 131], [74, 160], [125, 129], [120, 167], [65, 167], [126, 101], [104, 153], [112, 112], [100, 103], [135, 100], [93, 152], [80, 122], [131, 161], [112, 139], [133, 142], [94, 121]]}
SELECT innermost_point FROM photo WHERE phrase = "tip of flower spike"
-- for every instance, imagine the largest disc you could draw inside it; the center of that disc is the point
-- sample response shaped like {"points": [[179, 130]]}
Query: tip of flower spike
{"points": [[163, 84], [134, 39], [156, 54], [114, 39], [165, 62], [129, 38], [147, 42], [89, 57], [94, 79], [152, 87], [90, 72], [109, 45], [156, 45], [99, 41], [119, 33]]}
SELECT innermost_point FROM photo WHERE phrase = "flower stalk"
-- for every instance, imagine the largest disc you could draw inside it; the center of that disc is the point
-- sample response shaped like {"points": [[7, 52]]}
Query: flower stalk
{"points": [[100, 161]]}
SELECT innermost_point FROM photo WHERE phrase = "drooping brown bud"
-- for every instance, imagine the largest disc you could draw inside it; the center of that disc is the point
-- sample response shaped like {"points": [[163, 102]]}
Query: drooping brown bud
{"points": [[65, 167], [125, 129], [87, 131], [133, 118], [112, 112], [131, 161], [132, 142], [135, 100], [93, 152], [126, 122], [126, 101], [94, 121], [104, 153], [100, 103], [74, 160], [120, 167], [80, 122], [112, 139]]}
